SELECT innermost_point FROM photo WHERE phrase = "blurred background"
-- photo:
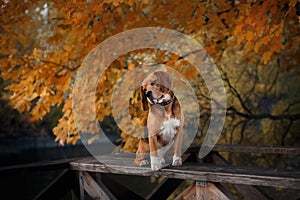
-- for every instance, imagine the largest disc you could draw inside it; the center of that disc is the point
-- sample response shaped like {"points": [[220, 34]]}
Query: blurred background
{"points": [[255, 46]]}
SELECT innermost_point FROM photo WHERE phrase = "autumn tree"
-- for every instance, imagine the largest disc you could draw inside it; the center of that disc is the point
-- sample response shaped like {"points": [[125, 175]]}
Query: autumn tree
{"points": [[254, 44]]}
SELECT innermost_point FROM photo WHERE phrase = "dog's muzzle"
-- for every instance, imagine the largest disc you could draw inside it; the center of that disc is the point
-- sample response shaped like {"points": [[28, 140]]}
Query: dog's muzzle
{"points": [[149, 96], [158, 101]]}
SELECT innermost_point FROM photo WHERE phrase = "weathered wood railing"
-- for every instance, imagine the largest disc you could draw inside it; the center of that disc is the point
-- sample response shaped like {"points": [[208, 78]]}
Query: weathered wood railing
{"points": [[197, 172], [89, 179], [66, 180], [205, 175], [252, 149]]}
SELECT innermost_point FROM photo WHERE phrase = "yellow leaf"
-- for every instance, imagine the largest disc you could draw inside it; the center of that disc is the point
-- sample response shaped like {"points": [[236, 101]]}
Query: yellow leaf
{"points": [[249, 35], [22, 106], [265, 40], [123, 134], [91, 140], [266, 57], [277, 46]]}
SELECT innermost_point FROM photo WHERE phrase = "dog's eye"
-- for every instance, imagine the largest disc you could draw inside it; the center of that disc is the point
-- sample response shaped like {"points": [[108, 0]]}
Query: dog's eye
{"points": [[153, 83], [145, 90]]}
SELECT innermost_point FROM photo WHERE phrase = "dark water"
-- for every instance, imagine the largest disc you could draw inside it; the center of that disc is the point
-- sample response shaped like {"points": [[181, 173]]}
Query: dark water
{"points": [[25, 183]]}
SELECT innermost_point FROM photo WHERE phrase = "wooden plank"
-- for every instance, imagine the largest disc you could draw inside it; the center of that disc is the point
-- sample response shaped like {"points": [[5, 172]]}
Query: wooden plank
{"points": [[53, 164], [92, 188], [81, 185], [290, 150], [205, 172], [225, 191], [249, 192]]}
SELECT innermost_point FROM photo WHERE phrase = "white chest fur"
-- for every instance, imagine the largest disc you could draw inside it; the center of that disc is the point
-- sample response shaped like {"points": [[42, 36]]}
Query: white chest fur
{"points": [[168, 128]]}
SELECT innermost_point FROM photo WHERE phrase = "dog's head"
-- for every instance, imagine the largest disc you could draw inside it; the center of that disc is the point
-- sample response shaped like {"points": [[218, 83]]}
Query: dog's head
{"points": [[156, 88]]}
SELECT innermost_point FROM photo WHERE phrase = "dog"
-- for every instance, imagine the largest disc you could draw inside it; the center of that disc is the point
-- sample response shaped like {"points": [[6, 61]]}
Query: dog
{"points": [[164, 122]]}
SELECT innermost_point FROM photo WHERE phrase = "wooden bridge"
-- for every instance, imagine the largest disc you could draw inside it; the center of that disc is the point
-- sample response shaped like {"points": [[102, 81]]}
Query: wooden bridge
{"points": [[88, 178]]}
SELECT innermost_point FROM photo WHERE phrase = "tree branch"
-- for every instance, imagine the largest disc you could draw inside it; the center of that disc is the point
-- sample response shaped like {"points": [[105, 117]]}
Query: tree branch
{"points": [[235, 92], [263, 115]]}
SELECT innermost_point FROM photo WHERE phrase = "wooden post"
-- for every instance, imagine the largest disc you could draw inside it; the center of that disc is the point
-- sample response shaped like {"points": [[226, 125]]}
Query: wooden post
{"points": [[209, 191], [202, 190], [81, 185]]}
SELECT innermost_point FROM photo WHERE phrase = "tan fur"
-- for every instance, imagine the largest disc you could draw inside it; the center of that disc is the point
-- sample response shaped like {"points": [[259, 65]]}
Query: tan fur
{"points": [[160, 84]]}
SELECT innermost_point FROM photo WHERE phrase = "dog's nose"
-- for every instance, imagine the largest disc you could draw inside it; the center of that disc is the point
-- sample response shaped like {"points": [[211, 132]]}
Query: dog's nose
{"points": [[149, 94]]}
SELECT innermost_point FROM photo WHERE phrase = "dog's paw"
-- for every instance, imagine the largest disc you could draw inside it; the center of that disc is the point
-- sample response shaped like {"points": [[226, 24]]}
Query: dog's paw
{"points": [[155, 163], [144, 163], [162, 161], [177, 161]]}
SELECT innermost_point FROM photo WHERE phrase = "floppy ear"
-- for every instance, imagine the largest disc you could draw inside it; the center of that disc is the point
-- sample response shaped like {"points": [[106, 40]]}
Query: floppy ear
{"points": [[144, 100], [176, 109]]}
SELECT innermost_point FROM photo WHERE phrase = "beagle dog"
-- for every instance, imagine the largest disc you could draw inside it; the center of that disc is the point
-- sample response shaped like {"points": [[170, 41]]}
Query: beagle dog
{"points": [[164, 123]]}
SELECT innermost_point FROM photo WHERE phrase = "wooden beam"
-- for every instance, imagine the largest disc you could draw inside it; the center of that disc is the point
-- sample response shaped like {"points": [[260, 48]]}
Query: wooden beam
{"points": [[225, 191], [206, 172], [290, 150], [100, 182], [81, 185], [92, 188], [188, 194], [45, 165], [288, 194], [249, 192]]}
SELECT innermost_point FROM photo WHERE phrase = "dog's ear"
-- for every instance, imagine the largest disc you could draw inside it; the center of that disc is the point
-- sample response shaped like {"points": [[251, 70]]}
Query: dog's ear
{"points": [[144, 100], [176, 108]]}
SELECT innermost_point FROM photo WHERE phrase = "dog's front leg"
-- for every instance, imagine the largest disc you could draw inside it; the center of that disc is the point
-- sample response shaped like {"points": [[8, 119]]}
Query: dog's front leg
{"points": [[177, 161], [154, 157], [154, 123], [141, 153]]}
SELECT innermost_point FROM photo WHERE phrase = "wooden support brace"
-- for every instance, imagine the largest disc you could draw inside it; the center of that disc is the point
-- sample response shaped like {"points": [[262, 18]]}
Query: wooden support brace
{"points": [[203, 190], [164, 189], [90, 186], [81, 185], [209, 191], [249, 192]]}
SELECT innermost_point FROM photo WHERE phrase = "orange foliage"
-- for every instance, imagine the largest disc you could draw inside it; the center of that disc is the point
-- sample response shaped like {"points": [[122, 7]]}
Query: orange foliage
{"points": [[43, 43]]}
